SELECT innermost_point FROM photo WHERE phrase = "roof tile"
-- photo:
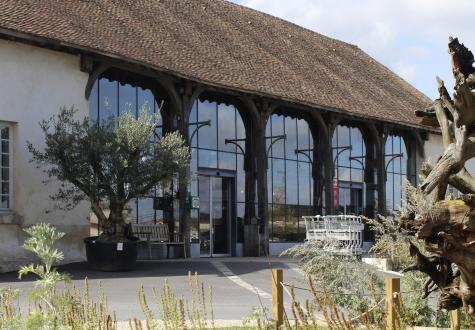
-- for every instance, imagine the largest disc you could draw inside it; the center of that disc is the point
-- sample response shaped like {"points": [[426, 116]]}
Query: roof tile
{"points": [[225, 44]]}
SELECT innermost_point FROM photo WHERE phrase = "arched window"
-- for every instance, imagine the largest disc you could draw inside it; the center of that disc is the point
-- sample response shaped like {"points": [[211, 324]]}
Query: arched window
{"points": [[349, 157], [289, 177], [111, 98], [211, 152], [396, 165]]}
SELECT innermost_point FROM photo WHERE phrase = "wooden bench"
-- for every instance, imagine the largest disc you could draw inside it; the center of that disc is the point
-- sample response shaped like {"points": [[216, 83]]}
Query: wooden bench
{"points": [[158, 234]]}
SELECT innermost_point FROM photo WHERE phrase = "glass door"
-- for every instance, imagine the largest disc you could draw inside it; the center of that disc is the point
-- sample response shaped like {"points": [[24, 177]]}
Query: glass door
{"points": [[350, 198], [214, 215]]}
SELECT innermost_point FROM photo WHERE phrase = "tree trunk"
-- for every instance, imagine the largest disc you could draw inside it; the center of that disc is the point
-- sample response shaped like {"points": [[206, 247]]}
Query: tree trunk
{"points": [[448, 227]]}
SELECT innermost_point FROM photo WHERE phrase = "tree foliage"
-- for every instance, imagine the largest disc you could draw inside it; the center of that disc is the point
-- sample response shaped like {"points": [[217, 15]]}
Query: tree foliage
{"points": [[108, 163]]}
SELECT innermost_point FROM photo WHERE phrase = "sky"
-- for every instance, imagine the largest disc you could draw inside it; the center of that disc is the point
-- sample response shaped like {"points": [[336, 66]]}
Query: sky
{"points": [[408, 36]]}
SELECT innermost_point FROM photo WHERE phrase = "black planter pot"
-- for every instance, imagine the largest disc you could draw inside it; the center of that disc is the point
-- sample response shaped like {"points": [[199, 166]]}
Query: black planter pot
{"points": [[111, 256]]}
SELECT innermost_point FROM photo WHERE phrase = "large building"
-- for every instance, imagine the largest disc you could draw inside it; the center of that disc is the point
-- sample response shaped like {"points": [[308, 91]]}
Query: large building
{"points": [[282, 121]]}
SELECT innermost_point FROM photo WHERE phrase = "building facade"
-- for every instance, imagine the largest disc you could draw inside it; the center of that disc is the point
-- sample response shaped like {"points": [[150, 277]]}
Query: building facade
{"points": [[319, 128]]}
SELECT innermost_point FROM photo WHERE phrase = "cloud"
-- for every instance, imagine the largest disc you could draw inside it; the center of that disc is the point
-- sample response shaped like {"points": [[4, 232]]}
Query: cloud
{"points": [[408, 36], [408, 72]]}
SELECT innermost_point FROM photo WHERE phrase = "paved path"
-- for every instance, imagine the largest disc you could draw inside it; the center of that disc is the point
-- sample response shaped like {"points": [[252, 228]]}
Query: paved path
{"points": [[238, 284]]}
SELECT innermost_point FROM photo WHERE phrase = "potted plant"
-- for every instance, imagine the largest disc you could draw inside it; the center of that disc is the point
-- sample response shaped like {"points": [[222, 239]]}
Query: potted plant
{"points": [[108, 163]]}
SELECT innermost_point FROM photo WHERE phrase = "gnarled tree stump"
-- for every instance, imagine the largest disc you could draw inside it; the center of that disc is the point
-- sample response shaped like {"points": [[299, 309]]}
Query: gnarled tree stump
{"points": [[448, 227]]}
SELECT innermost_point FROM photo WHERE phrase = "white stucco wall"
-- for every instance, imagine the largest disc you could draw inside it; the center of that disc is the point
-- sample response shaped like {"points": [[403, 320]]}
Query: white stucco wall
{"points": [[434, 148], [35, 83]]}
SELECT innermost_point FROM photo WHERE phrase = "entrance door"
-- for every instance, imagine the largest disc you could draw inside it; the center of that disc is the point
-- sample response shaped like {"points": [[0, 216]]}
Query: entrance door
{"points": [[214, 216], [350, 198]]}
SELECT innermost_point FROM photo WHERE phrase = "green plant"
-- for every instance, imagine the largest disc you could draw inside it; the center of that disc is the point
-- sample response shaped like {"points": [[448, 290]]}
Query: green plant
{"points": [[259, 317], [70, 309], [348, 282], [9, 309], [41, 242], [176, 313], [108, 163]]}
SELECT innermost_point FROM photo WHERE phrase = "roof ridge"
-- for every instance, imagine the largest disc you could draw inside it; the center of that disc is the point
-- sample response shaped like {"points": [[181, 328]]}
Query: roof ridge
{"points": [[300, 27]]}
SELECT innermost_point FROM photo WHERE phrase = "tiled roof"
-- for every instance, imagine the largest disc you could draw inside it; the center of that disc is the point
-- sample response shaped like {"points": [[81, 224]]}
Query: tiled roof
{"points": [[226, 45]]}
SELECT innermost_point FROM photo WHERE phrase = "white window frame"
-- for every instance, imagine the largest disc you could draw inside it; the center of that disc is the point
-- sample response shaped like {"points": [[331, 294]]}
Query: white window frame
{"points": [[10, 167]]}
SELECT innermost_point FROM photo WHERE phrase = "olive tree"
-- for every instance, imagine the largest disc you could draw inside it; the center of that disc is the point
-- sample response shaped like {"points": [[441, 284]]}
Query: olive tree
{"points": [[108, 162]]}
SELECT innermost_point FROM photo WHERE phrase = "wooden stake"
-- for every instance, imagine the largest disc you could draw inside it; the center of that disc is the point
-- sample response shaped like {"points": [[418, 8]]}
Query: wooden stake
{"points": [[393, 289], [455, 319], [277, 297]]}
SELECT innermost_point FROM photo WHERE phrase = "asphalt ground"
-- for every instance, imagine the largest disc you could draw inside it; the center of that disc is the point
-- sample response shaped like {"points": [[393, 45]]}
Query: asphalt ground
{"points": [[238, 284]]}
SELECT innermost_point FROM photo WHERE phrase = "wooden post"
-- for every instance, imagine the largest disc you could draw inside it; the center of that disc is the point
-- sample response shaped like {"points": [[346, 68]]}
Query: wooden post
{"points": [[393, 289], [277, 297], [455, 319]]}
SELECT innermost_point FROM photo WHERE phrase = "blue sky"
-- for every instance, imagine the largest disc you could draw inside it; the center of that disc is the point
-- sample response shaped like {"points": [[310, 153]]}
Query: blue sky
{"points": [[408, 36]]}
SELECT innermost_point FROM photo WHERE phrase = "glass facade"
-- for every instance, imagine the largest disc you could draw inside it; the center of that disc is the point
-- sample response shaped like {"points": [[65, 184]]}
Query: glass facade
{"points": [[289, 177], [5, 167], [110, 98], [349, 157], [396, 163], [210, 151]]}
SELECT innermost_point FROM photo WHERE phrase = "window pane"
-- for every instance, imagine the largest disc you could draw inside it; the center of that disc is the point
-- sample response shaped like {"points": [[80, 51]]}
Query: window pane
{"points": [[303, 134], [291, 138], [304, 183], [388, 153], [240, 129], [146, 100], [108, 97], [207, 158], [4, 174], [389, 191], [277, 129], [227, 160], [344, 174], [356, 175], [357, 146], [397, 150], [207, 134], [269, 181], [291, 183], [127, 99], [4, 202], [4, 187], [397, 191], [278, 176], [194, 160], [292, 223], [278, 222], [241, 179], [146, 213], [4, 133], [4, 146], [226, 127], [343, 142]]}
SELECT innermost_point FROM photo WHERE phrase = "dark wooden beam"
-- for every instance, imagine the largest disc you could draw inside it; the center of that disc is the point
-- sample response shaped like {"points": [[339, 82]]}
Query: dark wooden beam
{"points": [[93, 76]]}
